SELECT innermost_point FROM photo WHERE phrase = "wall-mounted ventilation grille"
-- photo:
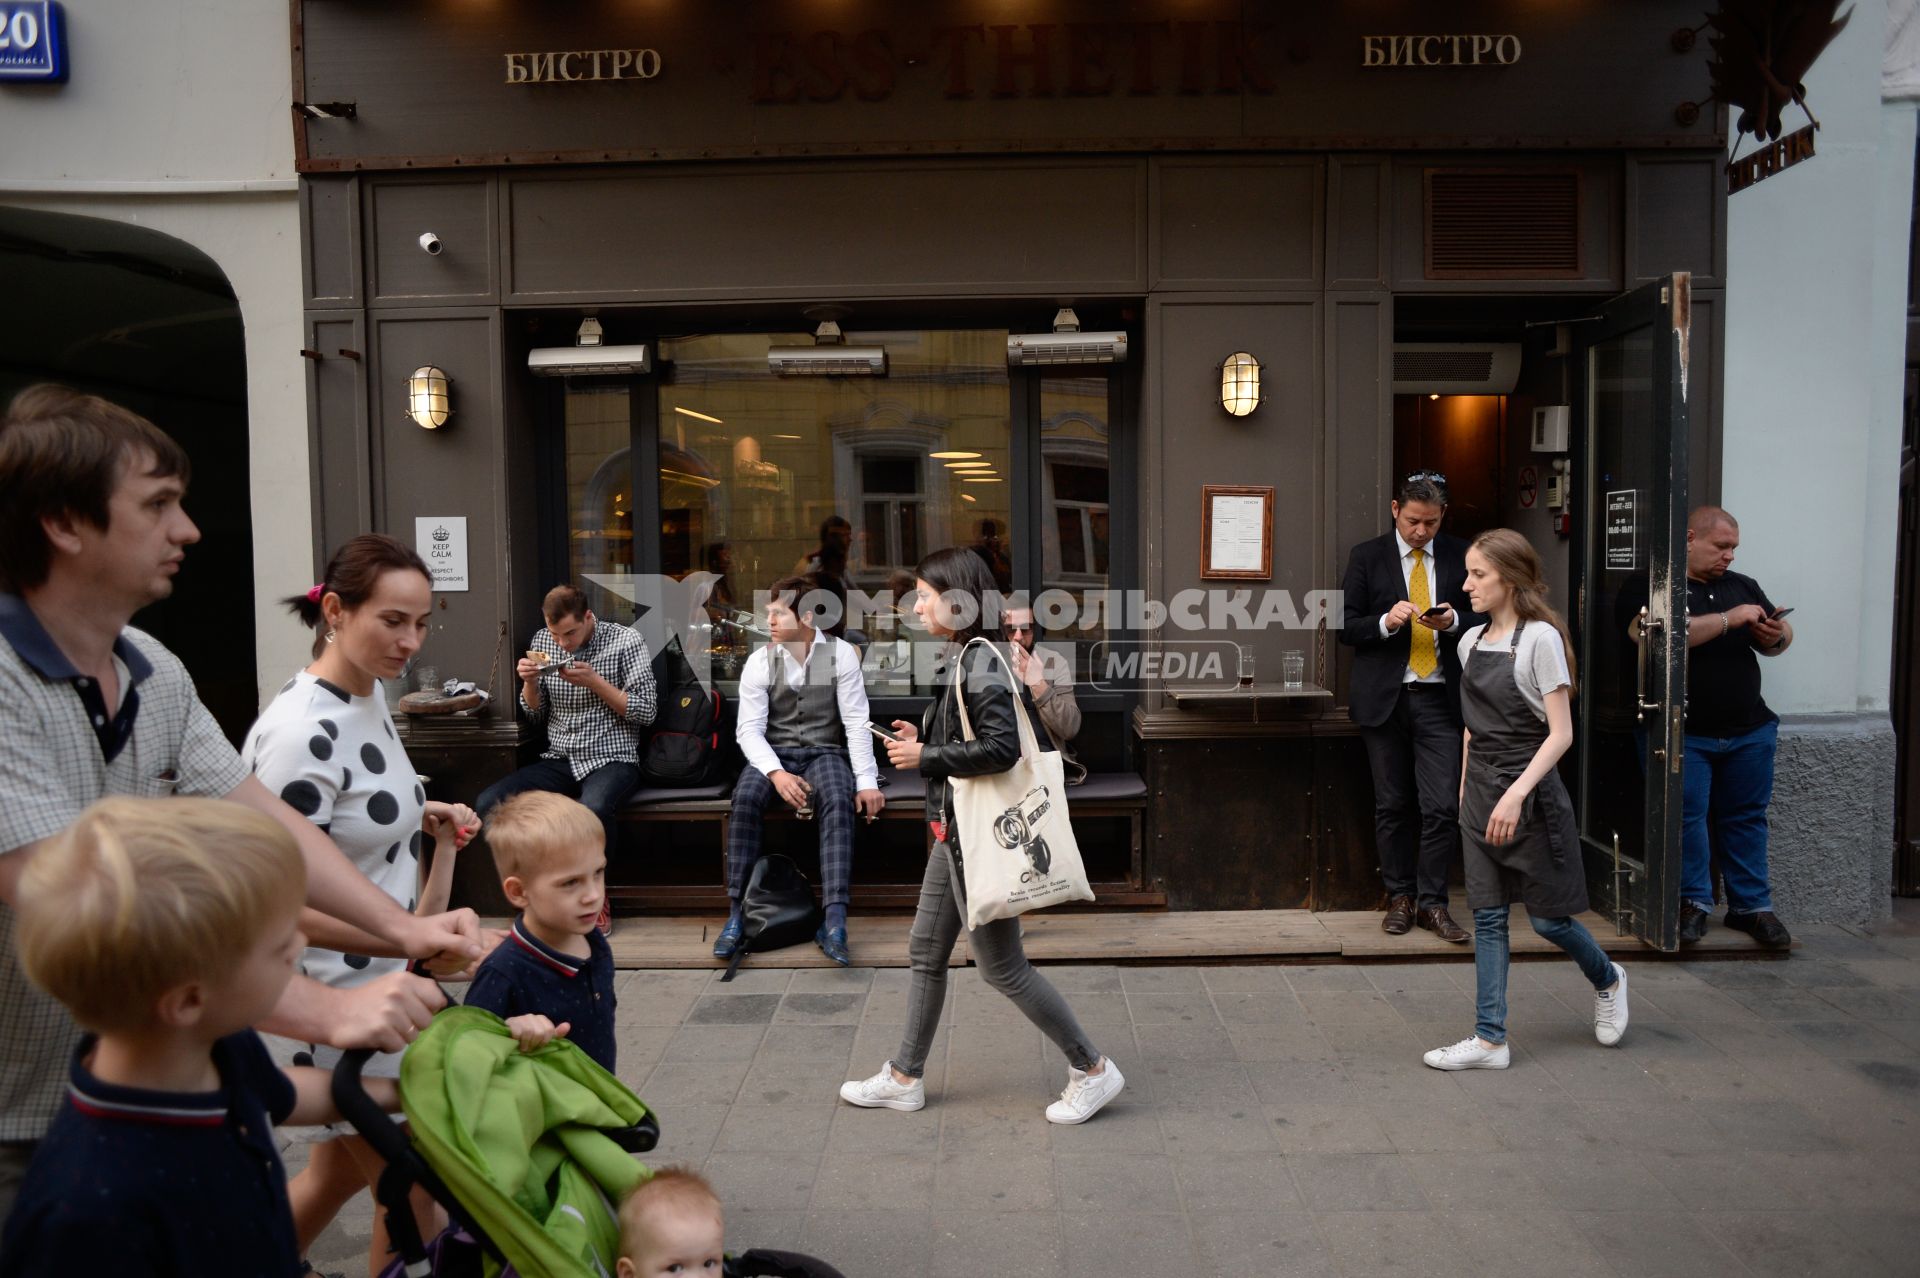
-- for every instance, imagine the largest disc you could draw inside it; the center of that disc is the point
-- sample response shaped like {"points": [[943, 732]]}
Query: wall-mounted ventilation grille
{"points": [[1503, 224], [1442, 366], [1455, 368]]}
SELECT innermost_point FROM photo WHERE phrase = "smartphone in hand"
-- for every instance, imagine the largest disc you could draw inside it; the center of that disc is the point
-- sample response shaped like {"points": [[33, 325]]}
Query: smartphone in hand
{"points": [[1438, 610], [885, 734], [1783, 612]]}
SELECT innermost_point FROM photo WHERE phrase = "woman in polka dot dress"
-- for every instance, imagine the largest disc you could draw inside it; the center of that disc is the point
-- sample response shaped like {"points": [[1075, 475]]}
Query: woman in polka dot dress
{"points": [[326, 745]]}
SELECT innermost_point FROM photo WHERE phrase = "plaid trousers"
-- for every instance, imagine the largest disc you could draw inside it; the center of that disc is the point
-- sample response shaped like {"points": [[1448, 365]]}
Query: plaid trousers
{"points": [[826, 769]]}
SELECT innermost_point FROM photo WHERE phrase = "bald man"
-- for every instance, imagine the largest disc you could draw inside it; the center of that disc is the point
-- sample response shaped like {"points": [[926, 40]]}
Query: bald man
{"points": [[1730, 735]]}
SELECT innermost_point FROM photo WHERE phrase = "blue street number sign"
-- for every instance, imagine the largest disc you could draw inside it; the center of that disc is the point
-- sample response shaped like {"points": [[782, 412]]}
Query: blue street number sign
{"points": [[33, 42]]}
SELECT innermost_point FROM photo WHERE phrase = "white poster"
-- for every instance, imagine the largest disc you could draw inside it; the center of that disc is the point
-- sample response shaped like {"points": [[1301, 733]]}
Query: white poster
{"points": [[1238, 542], [442, 542]]}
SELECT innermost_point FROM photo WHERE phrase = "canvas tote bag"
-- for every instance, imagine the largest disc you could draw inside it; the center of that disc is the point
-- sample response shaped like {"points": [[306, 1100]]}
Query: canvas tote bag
{"points": [[1016, 840]]}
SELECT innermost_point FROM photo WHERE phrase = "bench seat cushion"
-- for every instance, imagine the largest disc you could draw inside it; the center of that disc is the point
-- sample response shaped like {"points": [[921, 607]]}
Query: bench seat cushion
{"points": [[647, 795], [1108, 787]]}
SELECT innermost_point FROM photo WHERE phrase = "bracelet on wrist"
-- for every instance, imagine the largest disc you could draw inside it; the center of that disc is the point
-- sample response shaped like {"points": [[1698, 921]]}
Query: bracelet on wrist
{"points": [[1725, 625]]}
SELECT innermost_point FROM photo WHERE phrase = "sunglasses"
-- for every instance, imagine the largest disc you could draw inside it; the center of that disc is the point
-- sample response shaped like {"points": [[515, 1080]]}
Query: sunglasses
{"points": [[1428, 476]]}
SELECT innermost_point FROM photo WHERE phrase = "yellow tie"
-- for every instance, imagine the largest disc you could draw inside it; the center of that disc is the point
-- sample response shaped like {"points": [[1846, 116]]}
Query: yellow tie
{"points": [[1424, 658]]}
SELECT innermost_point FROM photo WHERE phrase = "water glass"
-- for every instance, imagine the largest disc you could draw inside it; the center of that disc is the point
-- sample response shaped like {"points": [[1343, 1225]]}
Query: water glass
{"points": [[1293, 668], [1246, 665], [426, 678]]}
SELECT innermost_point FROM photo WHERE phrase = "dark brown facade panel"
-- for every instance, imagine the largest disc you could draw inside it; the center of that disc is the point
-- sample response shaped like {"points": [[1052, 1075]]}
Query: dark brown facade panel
{"points": [[1707, 349], [1675, 218], [1222, 223], [467, 85], [453, 471], [456, 263], [338, 449], [330, 241], [1357, 222], [829, 231], [1485, 223], [1598, 246], [1359, 425]]}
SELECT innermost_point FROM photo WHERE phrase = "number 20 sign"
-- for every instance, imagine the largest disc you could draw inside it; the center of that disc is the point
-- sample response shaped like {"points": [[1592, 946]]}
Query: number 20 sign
{"points": [[33, 42]]}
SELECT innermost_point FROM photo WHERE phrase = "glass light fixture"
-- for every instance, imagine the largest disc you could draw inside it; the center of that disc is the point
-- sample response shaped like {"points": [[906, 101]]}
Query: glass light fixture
{"points": [[952, 453], [429, 399], [1240, 391]]}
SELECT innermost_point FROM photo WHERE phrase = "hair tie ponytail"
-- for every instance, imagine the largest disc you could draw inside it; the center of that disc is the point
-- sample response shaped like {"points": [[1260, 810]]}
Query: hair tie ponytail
{"points": [[319, 588]]}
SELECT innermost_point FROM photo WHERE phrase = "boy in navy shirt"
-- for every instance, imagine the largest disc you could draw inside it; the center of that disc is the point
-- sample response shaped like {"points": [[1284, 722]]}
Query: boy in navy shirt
{"points": [[168, 928], [553, 975]]}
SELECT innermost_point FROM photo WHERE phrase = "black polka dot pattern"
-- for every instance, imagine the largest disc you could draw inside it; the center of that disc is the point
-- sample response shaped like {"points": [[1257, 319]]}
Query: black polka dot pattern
{"points": [[302, 796], [418, 844], [419, 794], [321, 747], [288, 685], [383, 808], [370, 756], [346, 780], [331, 728], [392, 852], [357, 961], [389, 728]]}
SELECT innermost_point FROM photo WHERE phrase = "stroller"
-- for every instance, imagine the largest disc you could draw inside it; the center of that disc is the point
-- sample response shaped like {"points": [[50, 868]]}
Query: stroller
{"points": [[528, 1152]]}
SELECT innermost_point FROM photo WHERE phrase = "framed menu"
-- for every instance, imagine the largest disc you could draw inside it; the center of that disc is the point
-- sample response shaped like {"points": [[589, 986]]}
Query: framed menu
{"points": [[1236, 532]]}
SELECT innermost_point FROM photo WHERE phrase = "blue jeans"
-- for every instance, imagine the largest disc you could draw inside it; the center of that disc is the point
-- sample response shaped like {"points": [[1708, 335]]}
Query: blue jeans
{"points": [[602, 790], [1728, 784], [1490, 958]]}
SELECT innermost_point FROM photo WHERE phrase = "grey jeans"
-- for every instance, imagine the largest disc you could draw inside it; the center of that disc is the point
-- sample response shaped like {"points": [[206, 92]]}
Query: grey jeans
{"points": [[996, 948]]}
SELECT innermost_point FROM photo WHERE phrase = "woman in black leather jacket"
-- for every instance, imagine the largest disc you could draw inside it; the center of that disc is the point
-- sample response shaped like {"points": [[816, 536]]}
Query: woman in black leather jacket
{"points": [[954, 588]]}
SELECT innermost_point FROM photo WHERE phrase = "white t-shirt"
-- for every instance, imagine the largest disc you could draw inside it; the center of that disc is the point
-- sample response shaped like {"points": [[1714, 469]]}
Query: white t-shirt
{"points": [[1539, 667], [335, 759]]}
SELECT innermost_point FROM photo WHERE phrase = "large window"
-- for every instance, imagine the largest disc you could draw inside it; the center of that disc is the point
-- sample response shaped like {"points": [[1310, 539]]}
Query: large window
{"points": [[852, 478]]}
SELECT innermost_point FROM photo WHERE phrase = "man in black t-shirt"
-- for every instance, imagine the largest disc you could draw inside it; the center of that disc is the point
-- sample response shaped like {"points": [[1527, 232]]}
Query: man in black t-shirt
{"points": [[1731, 734]]}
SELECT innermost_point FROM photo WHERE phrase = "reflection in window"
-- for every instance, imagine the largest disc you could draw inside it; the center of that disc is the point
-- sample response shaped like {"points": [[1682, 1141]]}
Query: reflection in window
{"points": [[853, 478], [1075, 495], [599, 493]]}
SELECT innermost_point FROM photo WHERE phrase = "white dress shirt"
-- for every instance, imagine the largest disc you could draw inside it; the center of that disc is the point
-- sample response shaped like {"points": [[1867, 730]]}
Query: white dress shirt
{"points": [[1433, 595], [756, 685]]}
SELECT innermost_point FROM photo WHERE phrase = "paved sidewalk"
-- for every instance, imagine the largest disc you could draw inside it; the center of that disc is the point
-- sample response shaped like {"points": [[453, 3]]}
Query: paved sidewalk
{"points": [[1762, 1117]]}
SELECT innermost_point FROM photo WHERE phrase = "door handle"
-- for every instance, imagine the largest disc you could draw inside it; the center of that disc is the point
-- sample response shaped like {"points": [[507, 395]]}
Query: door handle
{"points": [[1650, 630]]}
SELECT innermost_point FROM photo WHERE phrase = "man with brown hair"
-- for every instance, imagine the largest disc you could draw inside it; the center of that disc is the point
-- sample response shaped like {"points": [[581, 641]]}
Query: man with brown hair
{"points": [[591, 682], [91, 530]]}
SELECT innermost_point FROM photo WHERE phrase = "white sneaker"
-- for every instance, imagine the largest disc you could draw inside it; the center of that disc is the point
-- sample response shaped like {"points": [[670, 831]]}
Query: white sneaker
{"points": [[1610, 1010], [883, 1091], [1468, 1053], [1085, 1094]]}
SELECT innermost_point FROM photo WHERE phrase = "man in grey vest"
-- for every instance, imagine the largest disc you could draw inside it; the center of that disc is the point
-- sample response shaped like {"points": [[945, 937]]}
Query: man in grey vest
{"points": [[803, 729]]}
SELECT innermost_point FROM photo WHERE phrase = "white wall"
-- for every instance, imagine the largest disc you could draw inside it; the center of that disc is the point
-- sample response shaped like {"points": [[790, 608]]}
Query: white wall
{"points": [[1813, 373], [176, 117]]}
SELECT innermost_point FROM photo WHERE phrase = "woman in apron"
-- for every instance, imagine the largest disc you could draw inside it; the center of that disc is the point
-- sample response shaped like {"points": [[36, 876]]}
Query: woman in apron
{"points": [[1516, 821]]}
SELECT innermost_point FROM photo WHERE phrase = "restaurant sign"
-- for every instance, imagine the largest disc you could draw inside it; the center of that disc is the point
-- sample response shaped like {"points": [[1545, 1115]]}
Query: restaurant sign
{"points": [[569, 66], [1439, 50], [1770, 159]]}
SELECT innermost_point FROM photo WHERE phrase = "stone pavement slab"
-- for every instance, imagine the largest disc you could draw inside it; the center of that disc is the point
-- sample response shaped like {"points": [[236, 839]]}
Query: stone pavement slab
{"points": [[1760, 1118]]}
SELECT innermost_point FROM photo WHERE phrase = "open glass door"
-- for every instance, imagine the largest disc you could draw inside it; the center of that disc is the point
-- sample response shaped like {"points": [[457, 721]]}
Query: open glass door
{"points": [[1632, 605]]}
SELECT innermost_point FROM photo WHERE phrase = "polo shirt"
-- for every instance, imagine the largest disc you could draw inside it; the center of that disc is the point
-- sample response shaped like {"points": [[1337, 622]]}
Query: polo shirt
{"points": [[160, 1183], [524, 976], [61, 748], [1723, 674]]}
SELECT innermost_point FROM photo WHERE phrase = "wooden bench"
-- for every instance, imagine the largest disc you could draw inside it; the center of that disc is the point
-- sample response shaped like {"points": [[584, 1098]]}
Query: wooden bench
{"points": [[1113, 795]]}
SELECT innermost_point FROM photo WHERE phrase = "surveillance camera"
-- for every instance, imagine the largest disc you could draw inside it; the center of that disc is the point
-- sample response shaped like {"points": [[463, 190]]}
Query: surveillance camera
{"points": [[430, 243]]}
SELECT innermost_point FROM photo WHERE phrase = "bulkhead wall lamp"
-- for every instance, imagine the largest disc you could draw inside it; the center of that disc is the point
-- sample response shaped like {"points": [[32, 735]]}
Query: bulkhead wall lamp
{"points": [[1240, 391], [429, 398]]}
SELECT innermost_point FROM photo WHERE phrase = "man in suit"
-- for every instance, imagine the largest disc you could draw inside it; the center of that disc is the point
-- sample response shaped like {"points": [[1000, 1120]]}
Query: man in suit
{"points": [[1406, 607]]}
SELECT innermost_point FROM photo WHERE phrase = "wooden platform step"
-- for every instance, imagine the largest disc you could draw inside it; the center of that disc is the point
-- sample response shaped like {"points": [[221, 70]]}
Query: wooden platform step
{"points": [[1160, 936]]}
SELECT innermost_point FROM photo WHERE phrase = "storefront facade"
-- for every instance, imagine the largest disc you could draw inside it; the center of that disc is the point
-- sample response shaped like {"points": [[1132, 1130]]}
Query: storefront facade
{"points": [[1334, 194]]}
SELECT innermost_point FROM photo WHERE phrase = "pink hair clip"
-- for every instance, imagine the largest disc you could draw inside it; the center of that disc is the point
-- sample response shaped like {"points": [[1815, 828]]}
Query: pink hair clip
{"points": [[319, 588]]}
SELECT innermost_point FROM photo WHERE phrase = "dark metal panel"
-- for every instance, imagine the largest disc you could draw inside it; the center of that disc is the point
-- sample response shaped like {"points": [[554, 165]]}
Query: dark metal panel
{"points": [[1708, 349], [337, 445], [1241, 222], [1346, 857], [1676, 211], [1232, 822], [838, 230], [1600, 196], [1359, 440], [460, 211], [330, 235], [455, 470], [1358, 227]]}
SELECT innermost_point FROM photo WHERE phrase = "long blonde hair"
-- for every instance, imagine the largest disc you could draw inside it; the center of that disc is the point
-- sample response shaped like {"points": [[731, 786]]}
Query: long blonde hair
{"points": [[1517, 564]]}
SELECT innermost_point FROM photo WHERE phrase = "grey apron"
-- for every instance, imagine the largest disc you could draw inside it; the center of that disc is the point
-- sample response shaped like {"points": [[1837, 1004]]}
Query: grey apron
{"points": [[1540, 865]]}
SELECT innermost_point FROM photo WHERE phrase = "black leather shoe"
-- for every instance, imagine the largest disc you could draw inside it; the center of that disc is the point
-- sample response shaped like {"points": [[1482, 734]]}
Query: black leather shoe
{"points": [[833, 943], [1763, 927], [1693, 924], [1399, 920], [1436, 920]]}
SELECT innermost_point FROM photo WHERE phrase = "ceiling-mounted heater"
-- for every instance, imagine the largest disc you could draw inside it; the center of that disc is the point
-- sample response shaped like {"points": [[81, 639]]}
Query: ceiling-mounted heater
{"points": [[829, 356], [587, 357], [1455, 368], [1066, 344]]}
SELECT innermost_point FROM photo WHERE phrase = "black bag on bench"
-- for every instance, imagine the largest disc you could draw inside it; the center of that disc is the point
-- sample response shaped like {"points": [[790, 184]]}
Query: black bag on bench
{"points": [[776, 910], [685, 748]]}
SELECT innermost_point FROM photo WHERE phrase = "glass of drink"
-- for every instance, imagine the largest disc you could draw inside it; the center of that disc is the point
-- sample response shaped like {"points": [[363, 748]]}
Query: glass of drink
{"points": [[1246, 665], [426, 678], [1293, 669]]}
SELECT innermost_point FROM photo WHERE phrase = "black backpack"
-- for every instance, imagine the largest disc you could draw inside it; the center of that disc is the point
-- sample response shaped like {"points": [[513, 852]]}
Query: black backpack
{"points": [[685, 748]]}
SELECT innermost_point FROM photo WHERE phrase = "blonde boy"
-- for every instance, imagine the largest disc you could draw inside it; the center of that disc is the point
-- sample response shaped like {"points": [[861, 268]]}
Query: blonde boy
{"points": [[553, 975], [167, 927], [671, 1224]]}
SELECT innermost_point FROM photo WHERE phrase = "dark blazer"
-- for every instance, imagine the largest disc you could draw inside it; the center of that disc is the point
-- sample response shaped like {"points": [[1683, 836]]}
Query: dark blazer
{"points": [[1375, 583], [946, 752]]}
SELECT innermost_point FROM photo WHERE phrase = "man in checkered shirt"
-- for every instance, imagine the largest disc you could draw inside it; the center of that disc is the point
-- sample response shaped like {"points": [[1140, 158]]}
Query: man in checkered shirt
{"points": [[591, 682], [91, 530]]}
